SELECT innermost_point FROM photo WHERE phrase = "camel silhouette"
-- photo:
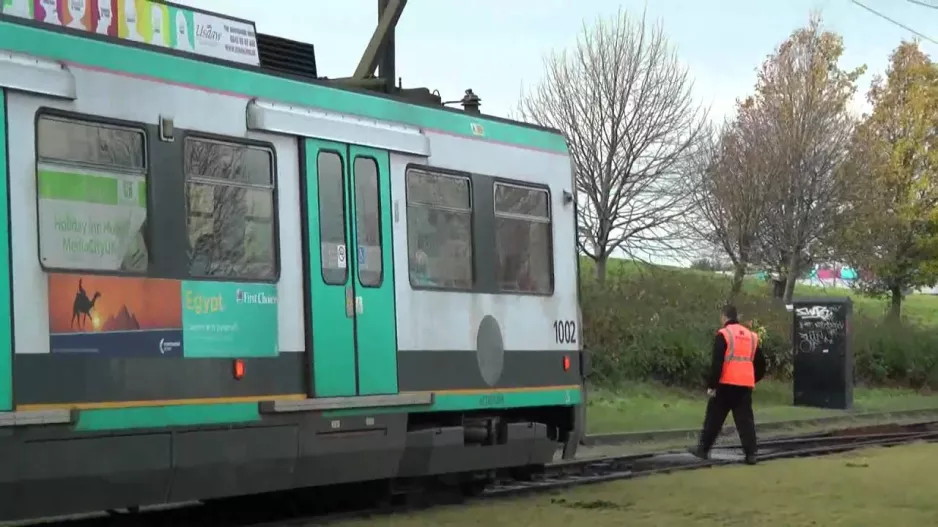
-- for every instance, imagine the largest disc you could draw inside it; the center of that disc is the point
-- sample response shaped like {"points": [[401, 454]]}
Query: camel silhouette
{"points": [[81, 308]]}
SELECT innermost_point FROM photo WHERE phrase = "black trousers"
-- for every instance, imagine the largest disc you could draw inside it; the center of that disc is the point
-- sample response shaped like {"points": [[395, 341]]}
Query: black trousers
{"points": [[736, 399]]}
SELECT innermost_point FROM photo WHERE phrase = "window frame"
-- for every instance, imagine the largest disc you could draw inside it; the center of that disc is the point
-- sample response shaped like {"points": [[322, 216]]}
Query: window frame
{"points": [[452, 174], [496, 215], [273, 187], [102, 122], [345, 227], [358, 267]]}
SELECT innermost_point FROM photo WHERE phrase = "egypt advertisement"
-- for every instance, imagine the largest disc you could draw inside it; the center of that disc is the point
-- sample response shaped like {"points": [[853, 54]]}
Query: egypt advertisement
{"points": [[149, 317]]}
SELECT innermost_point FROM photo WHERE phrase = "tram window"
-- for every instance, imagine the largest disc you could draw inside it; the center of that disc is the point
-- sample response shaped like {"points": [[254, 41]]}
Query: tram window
{"points": [[230, 210], [368, 221], [332, 218], [91, 181], [439, 230], [523, 239]]}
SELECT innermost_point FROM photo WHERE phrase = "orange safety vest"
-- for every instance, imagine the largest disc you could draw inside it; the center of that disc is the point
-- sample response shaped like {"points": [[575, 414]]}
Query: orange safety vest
{"points": [[741, 344]]}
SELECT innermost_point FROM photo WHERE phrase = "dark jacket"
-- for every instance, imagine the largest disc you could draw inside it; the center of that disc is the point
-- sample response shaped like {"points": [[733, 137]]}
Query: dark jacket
{"points": [[719, 352]]}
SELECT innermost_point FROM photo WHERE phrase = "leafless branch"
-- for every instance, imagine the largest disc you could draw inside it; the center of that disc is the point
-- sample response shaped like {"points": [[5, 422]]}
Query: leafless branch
{"points": [[624, 102], [732, 178], [802, 98]]}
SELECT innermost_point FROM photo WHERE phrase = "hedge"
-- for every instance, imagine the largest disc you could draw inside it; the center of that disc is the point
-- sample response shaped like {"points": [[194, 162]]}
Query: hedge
{"points": [[659, 324]]}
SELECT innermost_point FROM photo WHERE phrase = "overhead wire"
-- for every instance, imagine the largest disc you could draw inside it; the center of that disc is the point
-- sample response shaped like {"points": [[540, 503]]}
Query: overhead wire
{"points": [[923, 4], [896, 22]]}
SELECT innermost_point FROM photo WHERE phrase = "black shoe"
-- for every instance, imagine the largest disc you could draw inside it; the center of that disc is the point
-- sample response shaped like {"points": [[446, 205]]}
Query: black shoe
{"points": [[699, 452], [751, 459]]}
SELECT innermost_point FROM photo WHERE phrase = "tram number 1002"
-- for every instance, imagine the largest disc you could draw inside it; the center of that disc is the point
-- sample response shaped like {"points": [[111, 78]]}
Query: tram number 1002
{"points": [[565, 331]]}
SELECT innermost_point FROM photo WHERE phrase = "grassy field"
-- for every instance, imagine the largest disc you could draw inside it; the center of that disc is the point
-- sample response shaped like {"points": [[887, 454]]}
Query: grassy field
{"points": [[647, 406], [917, 308], [866, 488]]}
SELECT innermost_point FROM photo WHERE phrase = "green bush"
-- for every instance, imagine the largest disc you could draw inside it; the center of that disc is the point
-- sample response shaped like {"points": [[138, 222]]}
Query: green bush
{"points": [[893, 354], [658, 324]]}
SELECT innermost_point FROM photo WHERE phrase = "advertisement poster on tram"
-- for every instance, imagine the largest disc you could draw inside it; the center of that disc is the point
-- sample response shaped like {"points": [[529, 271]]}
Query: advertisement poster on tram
{"points": [[92, 219], [148, 21], [150, 317]]}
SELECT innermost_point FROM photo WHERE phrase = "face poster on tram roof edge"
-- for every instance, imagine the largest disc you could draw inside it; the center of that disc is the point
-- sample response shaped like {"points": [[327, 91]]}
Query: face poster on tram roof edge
{"points": [[149, 21], [149, 317]]}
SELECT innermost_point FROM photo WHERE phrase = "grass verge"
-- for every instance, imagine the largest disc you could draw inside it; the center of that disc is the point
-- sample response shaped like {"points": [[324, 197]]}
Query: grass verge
{"points": [[920, 309], [651, 406], [871, 487]]}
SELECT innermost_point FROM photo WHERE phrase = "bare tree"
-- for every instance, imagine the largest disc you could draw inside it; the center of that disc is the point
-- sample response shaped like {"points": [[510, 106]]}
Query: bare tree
{"points": [[802, 96], [624, 102], [730, 189]]}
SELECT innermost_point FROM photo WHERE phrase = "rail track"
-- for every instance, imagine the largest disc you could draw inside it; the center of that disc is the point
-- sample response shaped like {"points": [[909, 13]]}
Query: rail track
{"points": [[325, 506], [582, 472], [847, 421]]}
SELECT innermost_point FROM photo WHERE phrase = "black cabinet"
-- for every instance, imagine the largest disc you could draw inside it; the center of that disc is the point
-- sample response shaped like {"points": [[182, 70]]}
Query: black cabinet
{"points": [[823, 355]]}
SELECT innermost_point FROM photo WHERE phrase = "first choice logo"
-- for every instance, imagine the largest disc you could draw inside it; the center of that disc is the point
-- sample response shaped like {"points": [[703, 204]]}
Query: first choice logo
{"points": [[243, 297], [814, 313]]}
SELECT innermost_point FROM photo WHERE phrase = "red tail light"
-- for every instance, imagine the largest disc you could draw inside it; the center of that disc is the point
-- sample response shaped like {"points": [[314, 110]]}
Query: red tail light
{"points": [[238, 369]]}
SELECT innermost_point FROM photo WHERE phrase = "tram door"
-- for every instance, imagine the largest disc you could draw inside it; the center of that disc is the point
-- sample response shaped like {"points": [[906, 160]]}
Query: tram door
{"points": [[350, 276]]}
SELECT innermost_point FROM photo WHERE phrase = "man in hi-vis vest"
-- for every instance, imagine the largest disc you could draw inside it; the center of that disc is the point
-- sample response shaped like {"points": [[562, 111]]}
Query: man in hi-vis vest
{"points": [[738, 364]]}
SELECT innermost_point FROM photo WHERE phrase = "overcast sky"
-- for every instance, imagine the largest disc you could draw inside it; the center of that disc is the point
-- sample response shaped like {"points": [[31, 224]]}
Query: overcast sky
{"points": [[496, 46], [493, 46]]}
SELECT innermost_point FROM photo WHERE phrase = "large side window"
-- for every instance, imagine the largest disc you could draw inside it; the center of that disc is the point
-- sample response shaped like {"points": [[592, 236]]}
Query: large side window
{"points": [[439, 230], [230, 207], [92, 197], [522, 239]]}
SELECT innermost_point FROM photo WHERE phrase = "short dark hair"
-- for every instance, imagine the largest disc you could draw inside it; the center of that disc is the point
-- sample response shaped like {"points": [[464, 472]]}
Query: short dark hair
{"points": [[729, 311]]}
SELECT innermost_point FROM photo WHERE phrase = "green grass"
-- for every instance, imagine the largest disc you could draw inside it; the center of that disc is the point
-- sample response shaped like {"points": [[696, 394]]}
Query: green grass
{"points": [[867, 488], [649, 406], [917, 308]]}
